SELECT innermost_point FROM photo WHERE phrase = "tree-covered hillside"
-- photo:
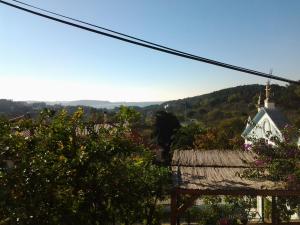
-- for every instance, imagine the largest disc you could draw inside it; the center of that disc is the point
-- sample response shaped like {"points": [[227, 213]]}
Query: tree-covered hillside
{"points": [[232, 103]]}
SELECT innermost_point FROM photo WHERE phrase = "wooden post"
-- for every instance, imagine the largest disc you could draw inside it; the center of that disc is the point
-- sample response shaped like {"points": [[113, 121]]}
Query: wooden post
{"points": [[275, 220], [263, 209], [178, 220], [174, 207], [188, 218], [177, 209]]}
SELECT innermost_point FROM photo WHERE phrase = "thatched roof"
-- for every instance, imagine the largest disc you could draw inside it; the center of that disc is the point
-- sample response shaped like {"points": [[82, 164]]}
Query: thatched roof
{"points": [[209, 158], [216, 170]]}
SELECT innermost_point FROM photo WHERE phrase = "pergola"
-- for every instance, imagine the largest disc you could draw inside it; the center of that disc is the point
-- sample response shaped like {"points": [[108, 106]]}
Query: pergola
{"points": [[215, 172]]}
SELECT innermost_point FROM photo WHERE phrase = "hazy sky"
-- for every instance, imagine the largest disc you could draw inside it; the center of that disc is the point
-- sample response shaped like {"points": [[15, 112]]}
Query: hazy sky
{"points": [[44, 60]]}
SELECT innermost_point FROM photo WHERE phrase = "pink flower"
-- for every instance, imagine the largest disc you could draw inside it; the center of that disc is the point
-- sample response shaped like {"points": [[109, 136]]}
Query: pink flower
{"points": [[247, 147], [291, 178], [270, 159], [259, 162]]}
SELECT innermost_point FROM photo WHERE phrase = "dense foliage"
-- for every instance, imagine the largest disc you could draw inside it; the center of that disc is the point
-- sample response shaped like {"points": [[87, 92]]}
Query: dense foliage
{"points": [[184, 137], [195, 136], [62, 169], [223, 210]]}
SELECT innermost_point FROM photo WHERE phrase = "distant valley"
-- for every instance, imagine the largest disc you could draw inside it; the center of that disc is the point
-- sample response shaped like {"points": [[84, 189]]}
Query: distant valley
{"points": [[97, 103]]}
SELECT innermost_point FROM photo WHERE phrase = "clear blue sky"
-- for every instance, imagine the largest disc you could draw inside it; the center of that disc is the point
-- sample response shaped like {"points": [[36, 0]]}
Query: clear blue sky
{"points": [[44, 60]]}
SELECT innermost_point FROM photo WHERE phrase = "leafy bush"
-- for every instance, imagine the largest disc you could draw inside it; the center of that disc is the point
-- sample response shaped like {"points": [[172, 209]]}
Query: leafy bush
{"points": [[217, 209], [66, 170]]}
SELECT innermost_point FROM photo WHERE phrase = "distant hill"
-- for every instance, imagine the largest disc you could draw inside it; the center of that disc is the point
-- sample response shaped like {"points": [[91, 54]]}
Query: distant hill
{"points": [[209, 109], [232, 103]]}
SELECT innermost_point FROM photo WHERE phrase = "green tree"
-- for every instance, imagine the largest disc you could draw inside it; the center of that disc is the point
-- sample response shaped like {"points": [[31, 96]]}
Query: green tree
{"points": [[185, 136], [224, 136], [68, 172], [166, 125]]}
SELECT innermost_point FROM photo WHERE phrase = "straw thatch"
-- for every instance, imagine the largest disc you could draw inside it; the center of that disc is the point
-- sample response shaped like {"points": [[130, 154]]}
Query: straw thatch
{"points": [[216, 170]]}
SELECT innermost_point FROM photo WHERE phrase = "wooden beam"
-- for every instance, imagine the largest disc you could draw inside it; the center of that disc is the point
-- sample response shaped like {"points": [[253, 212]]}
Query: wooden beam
{"points": [[240, 192]]}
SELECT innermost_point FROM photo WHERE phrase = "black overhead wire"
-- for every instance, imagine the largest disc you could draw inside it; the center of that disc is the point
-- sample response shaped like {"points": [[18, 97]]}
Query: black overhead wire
{"points": [[102, 28], [143, 43]]}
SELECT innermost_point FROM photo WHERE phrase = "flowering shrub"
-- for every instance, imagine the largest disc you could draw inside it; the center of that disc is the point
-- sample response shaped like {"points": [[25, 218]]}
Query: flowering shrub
{"points": [[278, 159]]}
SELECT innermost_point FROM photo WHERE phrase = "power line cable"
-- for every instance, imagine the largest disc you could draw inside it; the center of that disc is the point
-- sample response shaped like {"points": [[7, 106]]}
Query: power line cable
{"points": [[103, 28], [155, 47], [100, 27]]}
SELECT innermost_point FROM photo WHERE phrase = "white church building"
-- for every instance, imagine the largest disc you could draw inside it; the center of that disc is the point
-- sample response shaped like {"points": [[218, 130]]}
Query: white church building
{"points": [[268, 122]]}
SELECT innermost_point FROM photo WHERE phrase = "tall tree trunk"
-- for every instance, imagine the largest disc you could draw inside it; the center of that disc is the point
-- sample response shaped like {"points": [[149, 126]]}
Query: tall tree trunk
{"points": [[151, 212]]}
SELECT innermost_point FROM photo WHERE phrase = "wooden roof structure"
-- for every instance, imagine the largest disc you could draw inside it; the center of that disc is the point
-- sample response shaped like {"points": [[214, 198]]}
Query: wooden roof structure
{"points": [[217, 172]]}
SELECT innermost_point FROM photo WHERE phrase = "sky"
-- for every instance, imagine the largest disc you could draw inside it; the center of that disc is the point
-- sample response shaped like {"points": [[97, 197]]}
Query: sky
{"points": [[47, 61]]}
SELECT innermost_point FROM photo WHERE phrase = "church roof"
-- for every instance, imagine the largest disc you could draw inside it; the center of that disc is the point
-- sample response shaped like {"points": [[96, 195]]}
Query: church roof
{"points": [[276, 116]]}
